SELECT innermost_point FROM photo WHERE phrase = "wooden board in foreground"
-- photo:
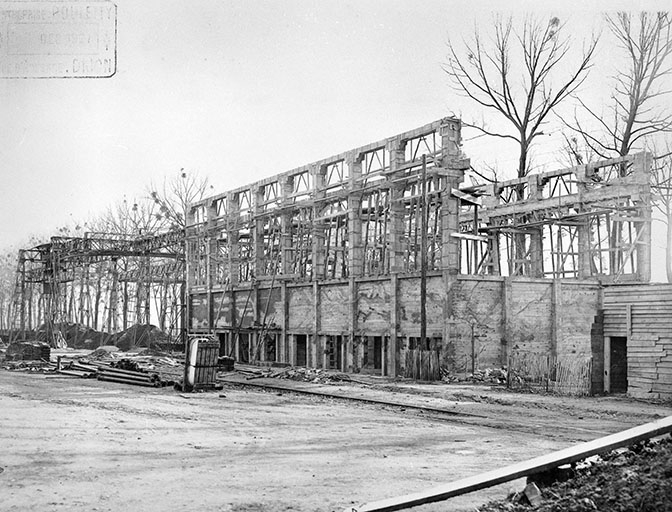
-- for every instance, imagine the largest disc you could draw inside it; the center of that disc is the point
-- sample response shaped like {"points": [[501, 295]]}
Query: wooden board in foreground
{"points": [[521, 469]]}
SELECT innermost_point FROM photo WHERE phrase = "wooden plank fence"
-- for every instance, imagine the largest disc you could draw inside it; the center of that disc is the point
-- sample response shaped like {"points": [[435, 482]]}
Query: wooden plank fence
{"points": [[422, 365], [565, 375]]}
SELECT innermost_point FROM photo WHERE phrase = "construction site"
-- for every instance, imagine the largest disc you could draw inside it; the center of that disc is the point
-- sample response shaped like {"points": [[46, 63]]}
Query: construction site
{"points": [[369, 325]]}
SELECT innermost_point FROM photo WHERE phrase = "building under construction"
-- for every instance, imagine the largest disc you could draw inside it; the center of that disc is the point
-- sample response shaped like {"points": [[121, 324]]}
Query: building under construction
{"points": [[383, 259], [389, 259]]}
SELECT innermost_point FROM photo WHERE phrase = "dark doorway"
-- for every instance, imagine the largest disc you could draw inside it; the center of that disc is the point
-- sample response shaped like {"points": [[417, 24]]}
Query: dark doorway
{"points": [[301, 350], [377, 352], [270, 347], [334, 350], [223, 343], [619, 365], [244, 347]]}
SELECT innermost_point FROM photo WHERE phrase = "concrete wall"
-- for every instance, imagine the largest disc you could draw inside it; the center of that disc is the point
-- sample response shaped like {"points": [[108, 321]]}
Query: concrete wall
{"points": [[473, 321]]}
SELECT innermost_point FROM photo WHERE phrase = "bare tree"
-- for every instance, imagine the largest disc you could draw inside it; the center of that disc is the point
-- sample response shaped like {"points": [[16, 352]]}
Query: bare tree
{"points": [[634, 112], [131, 218], [661, 191], [177, 193], [514, 74]]}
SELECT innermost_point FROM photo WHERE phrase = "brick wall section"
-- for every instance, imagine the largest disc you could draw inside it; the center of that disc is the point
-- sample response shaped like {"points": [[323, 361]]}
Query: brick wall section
{"points": [[409, 306], [577, 308], [529, 326], [373, 308], [506, 314], [198, 306], [301, 309], [245, 315], [221, 311], [478, 303], [334, 308], [269, 304]]}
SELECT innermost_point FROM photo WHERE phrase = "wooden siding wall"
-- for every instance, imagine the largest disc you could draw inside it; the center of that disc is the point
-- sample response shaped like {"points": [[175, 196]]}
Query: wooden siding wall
{"points": [[471, 320], [643, 314]]}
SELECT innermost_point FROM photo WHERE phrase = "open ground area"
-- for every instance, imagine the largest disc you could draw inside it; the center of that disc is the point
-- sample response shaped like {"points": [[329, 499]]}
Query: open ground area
{"points": [[79, 444]]}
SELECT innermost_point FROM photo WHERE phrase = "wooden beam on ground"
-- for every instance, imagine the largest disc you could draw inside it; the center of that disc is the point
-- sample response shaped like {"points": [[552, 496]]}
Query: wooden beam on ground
{"points": [[521, 469]]}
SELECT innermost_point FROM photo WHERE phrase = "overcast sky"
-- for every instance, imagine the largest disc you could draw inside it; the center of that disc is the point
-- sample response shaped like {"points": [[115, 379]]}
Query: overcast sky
{"points": [[238, 91]]}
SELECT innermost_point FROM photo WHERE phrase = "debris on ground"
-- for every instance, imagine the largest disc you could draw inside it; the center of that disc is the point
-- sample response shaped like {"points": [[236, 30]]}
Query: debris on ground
{"points": [[143, 367], [315, 375], [28, 351], [489, 375], [634, 478]]}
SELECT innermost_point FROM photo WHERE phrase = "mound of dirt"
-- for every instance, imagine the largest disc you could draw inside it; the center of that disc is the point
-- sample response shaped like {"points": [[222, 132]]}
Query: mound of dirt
{"points": [[140, 335], [638, 478], [75, 335]]}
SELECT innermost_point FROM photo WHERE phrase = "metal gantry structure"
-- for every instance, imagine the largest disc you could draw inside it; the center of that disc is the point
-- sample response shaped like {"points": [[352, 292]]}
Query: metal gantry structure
{"points": [[102, 281]]}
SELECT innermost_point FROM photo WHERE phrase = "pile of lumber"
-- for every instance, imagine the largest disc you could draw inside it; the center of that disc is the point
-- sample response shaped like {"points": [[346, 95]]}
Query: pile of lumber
{"points": [[129, 377], [109, 373]]}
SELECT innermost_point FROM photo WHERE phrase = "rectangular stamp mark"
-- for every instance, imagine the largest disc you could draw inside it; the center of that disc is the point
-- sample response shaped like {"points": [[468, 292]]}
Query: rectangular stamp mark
{"points": [[58, 39]]}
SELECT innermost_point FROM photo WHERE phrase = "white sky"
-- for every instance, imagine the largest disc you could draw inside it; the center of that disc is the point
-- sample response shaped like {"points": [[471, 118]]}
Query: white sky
{"points": [[238, 91]]}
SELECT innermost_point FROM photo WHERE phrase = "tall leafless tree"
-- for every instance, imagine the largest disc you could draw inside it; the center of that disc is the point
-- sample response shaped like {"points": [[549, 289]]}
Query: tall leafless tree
{"points": [[636, 110], [661, 192], [177, 193], [516, 74]]}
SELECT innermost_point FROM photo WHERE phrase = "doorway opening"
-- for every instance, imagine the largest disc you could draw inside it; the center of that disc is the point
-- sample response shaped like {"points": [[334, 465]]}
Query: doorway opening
{"points": [[618, 365], [301, 349]]}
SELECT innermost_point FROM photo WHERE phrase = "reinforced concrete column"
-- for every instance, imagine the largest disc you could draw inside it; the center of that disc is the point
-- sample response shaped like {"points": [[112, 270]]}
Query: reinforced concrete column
{"points": [[318, 256], [355, 250], [257, 234], [286, 258], [232, 228], [396, 149], [212, 257], [454, 165], [536, 243]]}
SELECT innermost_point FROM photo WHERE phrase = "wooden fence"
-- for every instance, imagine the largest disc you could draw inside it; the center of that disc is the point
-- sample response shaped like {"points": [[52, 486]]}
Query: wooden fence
{"points": [[422, 365], [566, 375]]}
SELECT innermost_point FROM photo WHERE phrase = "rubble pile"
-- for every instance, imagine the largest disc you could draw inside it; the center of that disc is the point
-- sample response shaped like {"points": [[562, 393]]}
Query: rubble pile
{"points": [[315, 375], [490, 375], [635, 478], [487, 376]]}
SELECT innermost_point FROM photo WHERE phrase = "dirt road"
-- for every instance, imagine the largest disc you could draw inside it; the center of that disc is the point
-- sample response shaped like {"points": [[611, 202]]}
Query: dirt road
{"points": [[73, 444]]}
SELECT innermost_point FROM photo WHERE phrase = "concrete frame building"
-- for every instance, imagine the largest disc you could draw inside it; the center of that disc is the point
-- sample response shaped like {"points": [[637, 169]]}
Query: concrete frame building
{"points": [[323, 265]]}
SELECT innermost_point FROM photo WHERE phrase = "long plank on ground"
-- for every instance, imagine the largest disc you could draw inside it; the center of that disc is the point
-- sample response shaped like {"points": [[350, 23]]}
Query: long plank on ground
{"points": [[521, 469]]}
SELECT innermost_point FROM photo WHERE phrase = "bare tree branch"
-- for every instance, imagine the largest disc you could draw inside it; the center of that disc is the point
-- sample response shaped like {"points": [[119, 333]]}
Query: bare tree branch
{"points": [[487, 74]]}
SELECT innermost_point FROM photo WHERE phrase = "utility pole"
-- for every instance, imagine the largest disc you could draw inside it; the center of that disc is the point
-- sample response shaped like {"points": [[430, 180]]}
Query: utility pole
{"points": [[423, 257]]}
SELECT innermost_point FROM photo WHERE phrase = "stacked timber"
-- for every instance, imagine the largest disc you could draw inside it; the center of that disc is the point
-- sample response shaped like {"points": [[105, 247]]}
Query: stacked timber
{"points": [[129, 377]]}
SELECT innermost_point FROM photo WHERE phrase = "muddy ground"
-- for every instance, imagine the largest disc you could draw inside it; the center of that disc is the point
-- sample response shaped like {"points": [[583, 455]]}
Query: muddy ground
{"points": [[76, 444]]}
